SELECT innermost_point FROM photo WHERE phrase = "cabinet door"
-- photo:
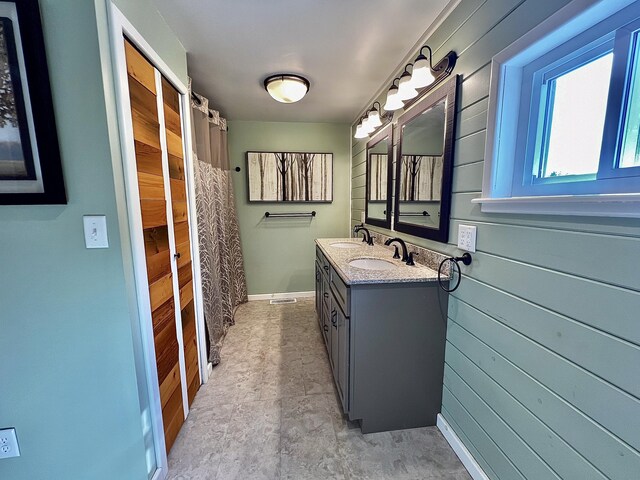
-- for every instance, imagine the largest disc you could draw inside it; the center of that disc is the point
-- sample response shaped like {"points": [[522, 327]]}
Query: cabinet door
{"points": [[334, 352], [343, 358], [326, 313], [318, 291]]}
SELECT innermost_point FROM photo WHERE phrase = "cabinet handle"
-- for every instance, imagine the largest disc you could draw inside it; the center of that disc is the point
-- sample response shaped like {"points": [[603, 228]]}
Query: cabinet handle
{"points": [[326, 268], [334, 315], [326, 328], [176, 255], [326, 295]]}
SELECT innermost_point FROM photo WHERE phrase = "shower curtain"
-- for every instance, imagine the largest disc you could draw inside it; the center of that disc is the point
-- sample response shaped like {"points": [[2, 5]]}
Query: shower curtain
{"points": [[223, 281]]}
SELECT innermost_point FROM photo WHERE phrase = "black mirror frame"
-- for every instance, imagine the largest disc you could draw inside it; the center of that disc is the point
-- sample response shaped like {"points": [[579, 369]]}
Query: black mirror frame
{"points": [[386, 131], [447, 90]]}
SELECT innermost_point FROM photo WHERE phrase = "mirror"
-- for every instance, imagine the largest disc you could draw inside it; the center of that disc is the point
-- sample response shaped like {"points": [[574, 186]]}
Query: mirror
{"points": [[379, 178], [424, 165]]}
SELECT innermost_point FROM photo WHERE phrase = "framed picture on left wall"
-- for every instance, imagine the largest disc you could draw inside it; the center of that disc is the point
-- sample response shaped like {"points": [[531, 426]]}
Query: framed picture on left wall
{"points": [[30, 166]]}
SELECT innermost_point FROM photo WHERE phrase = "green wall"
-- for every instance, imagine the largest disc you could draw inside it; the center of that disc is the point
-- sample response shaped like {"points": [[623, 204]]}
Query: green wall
{"points": [[279, 253], [543, 342], [67, 378]]}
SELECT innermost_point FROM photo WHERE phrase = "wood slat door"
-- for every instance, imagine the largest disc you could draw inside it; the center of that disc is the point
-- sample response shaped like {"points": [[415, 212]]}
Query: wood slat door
{"points": [[173, 132], [157, 227]]}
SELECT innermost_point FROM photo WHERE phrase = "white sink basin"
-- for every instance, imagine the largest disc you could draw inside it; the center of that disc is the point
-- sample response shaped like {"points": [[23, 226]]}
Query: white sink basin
{"points": [[372, 264], [346, 244]]}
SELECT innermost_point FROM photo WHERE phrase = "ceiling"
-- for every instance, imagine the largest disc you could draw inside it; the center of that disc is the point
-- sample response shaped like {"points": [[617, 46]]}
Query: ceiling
{"points": [[347, 49]]}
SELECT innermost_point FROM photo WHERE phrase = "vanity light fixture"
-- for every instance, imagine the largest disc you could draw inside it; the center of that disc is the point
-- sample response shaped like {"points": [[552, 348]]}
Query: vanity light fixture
{"points": [[373, 117], [371, 120], [361, 130], [286, 87], [393, 99], [422, 73], [406, 90]]}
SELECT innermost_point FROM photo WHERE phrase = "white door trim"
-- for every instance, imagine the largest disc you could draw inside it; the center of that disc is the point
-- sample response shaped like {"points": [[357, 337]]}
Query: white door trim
{"points": [[119, 27]]}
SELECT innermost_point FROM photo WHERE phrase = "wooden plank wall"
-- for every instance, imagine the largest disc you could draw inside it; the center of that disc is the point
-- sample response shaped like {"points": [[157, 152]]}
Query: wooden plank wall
{"points": [[146, 132], [173, 131], [543, 342]]}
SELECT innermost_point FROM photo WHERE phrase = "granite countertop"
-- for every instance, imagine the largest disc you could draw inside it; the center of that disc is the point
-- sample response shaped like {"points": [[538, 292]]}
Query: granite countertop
{"points": [[340, 258]]}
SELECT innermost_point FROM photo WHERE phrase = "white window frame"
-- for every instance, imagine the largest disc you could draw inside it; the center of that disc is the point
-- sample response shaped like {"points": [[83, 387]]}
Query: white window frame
{"points": [[505, 158]]}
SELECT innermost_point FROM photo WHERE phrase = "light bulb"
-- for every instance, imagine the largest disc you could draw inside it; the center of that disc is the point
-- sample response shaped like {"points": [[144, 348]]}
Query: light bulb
{"points": [[393, 100], [421, 75], [405, 88]]}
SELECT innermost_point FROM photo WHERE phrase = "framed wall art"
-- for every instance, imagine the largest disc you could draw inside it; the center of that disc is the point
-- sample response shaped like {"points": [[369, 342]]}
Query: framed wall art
{"points": [[30, 166], [290, 177]]}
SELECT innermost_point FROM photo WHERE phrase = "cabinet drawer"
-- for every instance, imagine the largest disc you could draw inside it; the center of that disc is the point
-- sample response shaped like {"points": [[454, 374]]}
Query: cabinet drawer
{"points": [[322, 261], [341, 292]]}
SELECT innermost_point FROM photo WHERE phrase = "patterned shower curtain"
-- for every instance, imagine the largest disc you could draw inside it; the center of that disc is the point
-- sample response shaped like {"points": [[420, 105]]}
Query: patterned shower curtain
{"points": [[223, 281]]}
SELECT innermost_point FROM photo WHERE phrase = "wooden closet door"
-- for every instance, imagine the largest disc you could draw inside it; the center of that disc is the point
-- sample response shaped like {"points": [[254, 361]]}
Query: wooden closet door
{"points": [[155, 225], [173, 132]]}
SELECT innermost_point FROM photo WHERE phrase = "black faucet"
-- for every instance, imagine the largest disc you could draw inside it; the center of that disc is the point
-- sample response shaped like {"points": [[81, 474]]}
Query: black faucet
{"points": [[405, 255], [366, 235]]}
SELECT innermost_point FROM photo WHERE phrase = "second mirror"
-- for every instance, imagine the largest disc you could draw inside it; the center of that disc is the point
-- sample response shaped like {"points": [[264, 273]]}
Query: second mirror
{"points": [[379, 178]]}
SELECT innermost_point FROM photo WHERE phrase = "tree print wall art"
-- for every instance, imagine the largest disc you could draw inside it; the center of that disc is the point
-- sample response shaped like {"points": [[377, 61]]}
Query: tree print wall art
{"points": [[30, 167], [290, 177], [420, 178]]}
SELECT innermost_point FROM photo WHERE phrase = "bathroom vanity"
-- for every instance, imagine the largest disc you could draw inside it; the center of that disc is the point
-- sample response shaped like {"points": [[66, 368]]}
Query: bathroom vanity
{"points": [[384, 327]]}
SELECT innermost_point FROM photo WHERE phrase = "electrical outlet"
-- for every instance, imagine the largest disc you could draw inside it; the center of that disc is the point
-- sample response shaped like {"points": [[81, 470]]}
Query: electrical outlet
{"points": [[467, 237], [9, 443]]}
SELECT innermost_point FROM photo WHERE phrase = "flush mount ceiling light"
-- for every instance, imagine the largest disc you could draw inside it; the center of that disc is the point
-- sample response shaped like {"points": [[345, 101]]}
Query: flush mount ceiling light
{"points": [[286, 87]]}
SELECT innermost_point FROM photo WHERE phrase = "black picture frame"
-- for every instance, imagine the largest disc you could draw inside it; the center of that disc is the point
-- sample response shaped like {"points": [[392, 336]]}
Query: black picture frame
{"points": [[36, 176], [384, 133], [250, 171], [448, 91]]}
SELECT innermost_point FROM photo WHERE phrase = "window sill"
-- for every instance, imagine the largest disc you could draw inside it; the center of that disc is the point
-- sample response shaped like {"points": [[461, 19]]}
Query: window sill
{"points": [[605, 205]]}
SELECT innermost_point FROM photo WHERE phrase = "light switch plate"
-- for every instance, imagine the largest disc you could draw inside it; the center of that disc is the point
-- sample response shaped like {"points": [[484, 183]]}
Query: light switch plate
{"points": [[467, 237], [362, 219], [9, 443], [95, 231]]}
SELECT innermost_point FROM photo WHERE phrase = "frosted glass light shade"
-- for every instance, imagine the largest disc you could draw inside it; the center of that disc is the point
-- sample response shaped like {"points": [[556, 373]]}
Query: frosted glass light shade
{"points": [[421, 75], [393, 100], [360, 132], [286, 88], [406, 91], [373, 119]]}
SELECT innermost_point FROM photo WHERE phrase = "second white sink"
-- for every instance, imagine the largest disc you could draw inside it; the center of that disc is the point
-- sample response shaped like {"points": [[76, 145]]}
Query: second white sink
{"points": [[372, 264]]}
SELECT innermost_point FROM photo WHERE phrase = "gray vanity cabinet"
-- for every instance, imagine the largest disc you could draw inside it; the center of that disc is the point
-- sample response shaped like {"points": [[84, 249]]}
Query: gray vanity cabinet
{"points": [[385, 343]]}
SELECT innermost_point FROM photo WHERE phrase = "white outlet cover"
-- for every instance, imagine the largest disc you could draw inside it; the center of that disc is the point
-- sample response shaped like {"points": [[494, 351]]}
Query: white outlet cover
{"points": [[9, 443], [467, 237], [95, 231]]}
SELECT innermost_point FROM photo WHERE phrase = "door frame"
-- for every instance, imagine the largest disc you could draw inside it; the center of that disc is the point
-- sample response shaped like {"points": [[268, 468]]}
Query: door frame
{"points": [[119, 28]]}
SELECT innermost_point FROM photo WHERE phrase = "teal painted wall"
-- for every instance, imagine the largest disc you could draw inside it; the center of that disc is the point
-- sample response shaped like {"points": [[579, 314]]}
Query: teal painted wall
{"points": [[543, 342], [279, 253], [67, 373]]}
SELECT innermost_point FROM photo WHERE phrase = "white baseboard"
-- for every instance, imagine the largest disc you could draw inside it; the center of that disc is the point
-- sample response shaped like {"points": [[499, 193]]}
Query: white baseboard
{"points": [[273, 296], [460, 450]]}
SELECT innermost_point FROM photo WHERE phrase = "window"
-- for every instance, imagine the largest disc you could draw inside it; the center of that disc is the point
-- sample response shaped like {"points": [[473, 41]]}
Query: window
{"points": [[564, 115]]}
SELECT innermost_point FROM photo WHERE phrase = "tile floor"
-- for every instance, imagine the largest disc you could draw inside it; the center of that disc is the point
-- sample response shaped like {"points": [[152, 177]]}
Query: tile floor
{"points": [[270, 412]]}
